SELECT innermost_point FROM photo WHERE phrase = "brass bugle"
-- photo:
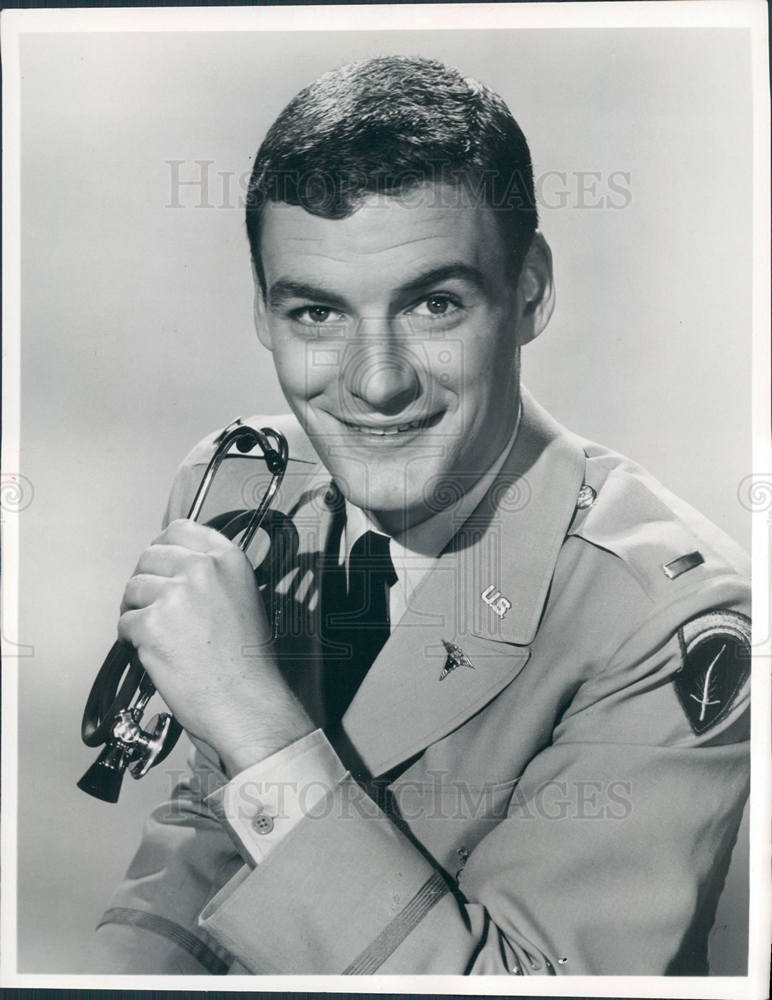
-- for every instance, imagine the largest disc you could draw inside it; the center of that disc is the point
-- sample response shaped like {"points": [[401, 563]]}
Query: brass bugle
{"points": [[122, 688]]}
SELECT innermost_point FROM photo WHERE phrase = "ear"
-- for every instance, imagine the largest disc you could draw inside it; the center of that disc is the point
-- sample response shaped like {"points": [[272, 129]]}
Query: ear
{"points": [[259, 313], [535, 291]]}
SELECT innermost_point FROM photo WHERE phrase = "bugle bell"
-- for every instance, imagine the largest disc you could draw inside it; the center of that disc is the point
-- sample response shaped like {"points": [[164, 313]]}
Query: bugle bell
{"points": [[122, 688]]}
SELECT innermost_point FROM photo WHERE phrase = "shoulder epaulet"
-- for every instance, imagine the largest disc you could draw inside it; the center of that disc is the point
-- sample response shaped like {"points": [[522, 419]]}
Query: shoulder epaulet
{"points": [[663, 541]]}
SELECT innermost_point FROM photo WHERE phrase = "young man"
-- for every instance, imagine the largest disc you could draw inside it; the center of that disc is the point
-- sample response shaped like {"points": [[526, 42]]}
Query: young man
{"points": [[488, 712]]}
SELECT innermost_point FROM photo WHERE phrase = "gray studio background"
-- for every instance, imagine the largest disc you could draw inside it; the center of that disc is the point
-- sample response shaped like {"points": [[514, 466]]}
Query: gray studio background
{"points": [[137, 334]]}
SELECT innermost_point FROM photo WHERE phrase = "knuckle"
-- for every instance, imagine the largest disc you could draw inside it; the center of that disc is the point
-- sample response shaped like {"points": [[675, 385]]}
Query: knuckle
{"points": [[130, 591], [150, 622], [232, 557], [173, 532], [128, 628], [146, 559], [167, 594], [199, 568]]}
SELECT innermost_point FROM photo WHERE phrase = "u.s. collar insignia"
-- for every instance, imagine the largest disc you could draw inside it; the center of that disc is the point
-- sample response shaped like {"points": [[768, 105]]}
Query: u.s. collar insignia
{"points": [[495, 600], [716, 650], [456, 658]]}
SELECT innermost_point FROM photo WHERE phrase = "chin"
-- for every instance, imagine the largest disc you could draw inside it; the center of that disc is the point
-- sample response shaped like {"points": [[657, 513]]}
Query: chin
{"points": [[377, 501], [386, 504]]}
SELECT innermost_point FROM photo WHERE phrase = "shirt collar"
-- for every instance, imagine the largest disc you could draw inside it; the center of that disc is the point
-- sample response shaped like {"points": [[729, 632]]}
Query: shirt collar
{"points": [[430, 537]]}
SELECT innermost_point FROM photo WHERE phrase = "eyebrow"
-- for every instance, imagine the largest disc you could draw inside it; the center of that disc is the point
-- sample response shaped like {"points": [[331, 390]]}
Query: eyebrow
{"points": [[446, 272], [287, 288]]}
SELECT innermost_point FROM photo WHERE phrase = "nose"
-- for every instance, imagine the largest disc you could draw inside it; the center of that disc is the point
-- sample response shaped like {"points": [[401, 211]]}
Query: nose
{"points": [[380, 372]]}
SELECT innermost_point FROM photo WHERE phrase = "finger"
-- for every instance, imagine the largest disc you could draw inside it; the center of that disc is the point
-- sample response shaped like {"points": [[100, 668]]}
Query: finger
{"points": [[141, 590], [193, 536], [130, 627], [162, 560]]}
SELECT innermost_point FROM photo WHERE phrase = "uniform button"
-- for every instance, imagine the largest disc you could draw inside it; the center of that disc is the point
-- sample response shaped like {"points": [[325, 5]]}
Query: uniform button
{"points": [[262, 823], [586, 497]]}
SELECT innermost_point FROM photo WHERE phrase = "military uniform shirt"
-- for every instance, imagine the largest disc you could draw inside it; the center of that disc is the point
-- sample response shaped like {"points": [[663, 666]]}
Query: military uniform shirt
{"points": [[546, 765]]}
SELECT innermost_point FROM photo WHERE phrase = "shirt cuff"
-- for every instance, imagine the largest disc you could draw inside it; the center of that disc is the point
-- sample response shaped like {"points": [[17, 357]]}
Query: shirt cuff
{"points": [[262, 804]]}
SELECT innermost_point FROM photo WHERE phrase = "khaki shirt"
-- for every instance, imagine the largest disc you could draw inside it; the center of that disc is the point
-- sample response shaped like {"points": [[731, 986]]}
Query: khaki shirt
{"points": [[543, 771]]}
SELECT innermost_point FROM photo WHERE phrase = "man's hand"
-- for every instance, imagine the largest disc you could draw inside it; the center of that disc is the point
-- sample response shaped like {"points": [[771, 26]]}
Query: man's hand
{"points": [[193, 611]]}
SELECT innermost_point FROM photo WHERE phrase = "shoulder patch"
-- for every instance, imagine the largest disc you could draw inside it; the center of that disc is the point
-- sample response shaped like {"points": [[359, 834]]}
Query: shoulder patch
{"points": [[716, 651]]}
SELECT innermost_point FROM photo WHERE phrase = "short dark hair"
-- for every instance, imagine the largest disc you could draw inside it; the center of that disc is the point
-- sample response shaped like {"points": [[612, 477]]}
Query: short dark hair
{"points": [[384, 126]]}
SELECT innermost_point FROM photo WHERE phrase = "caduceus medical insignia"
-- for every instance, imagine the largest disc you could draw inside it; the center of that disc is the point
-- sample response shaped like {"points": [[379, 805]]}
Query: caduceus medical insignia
{"points": [[456, 658]]}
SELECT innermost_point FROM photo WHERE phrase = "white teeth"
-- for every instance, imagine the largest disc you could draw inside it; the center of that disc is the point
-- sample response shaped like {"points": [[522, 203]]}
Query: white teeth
{"points": [[386, 431]]}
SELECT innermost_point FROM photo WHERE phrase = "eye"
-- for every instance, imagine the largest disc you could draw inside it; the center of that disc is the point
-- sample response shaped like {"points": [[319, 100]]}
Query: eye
{"points": [[436, 305], [317, 315]]}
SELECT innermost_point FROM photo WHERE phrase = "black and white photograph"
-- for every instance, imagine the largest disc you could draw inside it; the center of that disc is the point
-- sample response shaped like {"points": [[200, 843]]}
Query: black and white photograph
{"points": [[386, 498]]}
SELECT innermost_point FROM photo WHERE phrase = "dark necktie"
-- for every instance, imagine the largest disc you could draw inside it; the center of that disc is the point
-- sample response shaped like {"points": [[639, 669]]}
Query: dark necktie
{"points": [[355, 620]]}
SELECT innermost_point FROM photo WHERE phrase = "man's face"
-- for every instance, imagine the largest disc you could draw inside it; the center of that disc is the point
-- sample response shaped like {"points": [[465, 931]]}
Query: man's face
{"points": [[395, 338]]}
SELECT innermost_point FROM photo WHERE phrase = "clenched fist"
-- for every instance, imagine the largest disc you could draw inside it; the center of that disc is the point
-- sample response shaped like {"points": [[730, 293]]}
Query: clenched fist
{"points": [[193, 612]]}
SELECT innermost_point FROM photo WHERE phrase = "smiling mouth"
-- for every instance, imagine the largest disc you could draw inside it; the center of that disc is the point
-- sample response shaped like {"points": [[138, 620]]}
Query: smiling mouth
{"points": [[393, 430]]}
